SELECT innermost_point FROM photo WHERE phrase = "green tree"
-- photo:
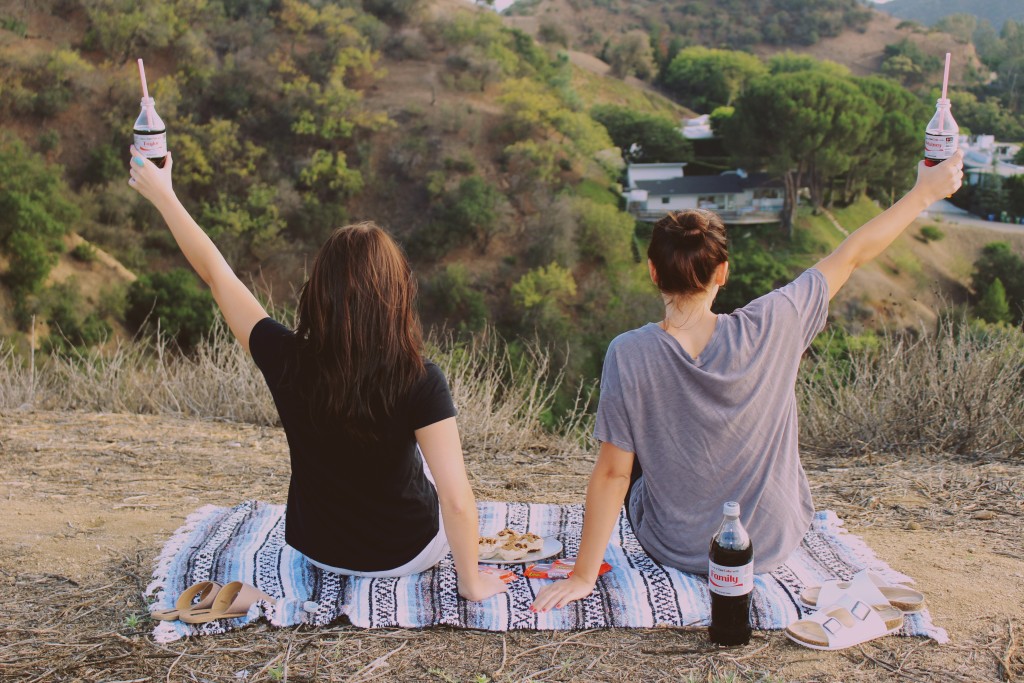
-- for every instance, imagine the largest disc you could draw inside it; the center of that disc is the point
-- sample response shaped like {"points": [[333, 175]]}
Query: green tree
{"points": [[704, 78], [36, 215], [999, 262], [69, 327], [605, 233], [174, 301], [543, 297], [753, 272], [643, 138], [472, 208], [451, 297], [791, 62], [960, 26], [804, 126], [994, 307], [887, 158], [633, 56]]}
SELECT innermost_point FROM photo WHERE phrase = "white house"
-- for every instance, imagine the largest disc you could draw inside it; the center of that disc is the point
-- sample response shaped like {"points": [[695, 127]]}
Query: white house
{"points": [[698, 128], [983, 156], [734, 195], [646, 172]]}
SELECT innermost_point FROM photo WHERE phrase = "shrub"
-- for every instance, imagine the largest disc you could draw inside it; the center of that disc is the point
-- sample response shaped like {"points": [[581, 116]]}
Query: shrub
{"points": [[993, 306], [35, 215], [931, 233], [998, 261], [451, 298], [173, 303], [69, 328], [84, 252]]}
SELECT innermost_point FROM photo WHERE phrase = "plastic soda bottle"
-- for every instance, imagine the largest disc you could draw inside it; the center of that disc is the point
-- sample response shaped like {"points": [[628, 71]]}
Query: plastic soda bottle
{"points": [[730, 580], [941, 136], [151, 133]]}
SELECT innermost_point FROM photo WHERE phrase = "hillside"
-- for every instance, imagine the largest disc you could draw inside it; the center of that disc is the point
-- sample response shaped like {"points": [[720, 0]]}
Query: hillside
{"points": [[451, 126], [863, 53], [927, 12]]}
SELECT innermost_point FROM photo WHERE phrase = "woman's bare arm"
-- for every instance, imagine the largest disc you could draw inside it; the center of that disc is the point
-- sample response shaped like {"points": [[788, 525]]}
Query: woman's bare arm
{"points": [[872, 238], [608, 485], [442, 449], [240, 308]]}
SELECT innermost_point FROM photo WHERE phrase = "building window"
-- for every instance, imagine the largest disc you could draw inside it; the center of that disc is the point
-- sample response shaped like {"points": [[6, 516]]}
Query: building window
{"points": [[665, 200]]}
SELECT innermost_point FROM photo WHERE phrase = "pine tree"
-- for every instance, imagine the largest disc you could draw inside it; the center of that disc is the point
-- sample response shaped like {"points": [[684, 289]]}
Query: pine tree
{"points": [[993, 306]]}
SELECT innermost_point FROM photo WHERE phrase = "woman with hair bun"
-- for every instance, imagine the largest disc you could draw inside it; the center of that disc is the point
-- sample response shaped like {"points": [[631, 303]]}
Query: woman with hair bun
{"points": [[378, 484], [700, 408]]}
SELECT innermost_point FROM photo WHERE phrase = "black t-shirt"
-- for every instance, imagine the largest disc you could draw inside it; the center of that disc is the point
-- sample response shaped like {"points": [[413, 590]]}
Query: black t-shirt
{"points": [[353, 503]]}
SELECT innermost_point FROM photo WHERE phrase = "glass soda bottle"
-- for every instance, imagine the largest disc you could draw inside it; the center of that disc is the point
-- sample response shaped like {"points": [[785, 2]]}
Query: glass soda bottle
{"points": [[730, 580], [150, 133], [942, 134]]}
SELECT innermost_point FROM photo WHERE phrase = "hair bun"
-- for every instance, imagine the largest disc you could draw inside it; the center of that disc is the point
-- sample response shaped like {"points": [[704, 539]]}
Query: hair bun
{"points": [[688, 228]]}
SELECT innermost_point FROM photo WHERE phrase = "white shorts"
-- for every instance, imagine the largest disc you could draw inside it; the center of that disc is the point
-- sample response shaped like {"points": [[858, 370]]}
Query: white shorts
{"points": [[433, 553]]}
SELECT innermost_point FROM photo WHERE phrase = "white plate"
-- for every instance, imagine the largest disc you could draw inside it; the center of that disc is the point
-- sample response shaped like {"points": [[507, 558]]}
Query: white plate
{"points": [[552, 546]]}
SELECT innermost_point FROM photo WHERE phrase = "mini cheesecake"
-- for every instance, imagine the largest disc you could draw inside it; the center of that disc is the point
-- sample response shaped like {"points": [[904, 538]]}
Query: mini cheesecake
{"points": [[506, 535], [512, 551], [488, 545], [533, 541]]}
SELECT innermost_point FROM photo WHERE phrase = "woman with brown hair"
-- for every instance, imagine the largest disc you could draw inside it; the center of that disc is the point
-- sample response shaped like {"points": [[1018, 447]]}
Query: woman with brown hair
{"points": [[378, 484], [700, 408]]}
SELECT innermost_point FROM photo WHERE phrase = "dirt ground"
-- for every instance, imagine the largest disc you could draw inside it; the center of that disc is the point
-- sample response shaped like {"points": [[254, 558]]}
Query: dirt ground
{"points": [[87, 500]]}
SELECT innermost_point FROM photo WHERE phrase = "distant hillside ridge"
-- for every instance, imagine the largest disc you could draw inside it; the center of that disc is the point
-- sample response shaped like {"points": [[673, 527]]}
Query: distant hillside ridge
{"points": [[927, 12]]}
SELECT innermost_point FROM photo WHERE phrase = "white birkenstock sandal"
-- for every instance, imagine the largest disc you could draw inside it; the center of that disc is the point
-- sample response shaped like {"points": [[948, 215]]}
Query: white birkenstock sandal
{"points": [[870, 587], [849, 622]]}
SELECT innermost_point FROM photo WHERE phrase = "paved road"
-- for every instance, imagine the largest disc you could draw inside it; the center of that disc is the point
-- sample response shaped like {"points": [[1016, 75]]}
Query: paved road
{"points": [[944, 212]]}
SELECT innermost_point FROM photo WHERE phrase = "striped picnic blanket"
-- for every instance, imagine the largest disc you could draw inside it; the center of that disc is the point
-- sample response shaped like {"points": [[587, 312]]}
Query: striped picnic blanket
{"points": [[246, 543]]}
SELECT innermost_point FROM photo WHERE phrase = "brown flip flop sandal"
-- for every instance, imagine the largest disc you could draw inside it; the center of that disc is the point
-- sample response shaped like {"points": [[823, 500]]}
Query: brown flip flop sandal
{"points": [[197, 596], [233, 601]]}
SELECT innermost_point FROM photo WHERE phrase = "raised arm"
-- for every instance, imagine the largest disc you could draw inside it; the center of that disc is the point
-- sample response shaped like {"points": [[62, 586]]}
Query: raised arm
{"points": [[872, 238], [240, 308], [608, 485], [442, 449]]}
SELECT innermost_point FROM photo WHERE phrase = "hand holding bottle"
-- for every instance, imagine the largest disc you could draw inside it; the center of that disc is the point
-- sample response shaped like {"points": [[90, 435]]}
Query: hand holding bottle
{"points": [[937, 182], [149, 180]]}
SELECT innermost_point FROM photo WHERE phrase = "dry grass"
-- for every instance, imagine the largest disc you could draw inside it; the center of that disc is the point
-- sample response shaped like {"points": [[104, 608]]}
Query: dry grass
{"points": [[500, 400], [957, 391], [65, 624], [123, 482]]}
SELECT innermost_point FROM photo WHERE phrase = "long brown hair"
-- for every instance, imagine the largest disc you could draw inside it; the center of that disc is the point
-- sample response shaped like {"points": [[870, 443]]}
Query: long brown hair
{"points": [[357, 323], [686, 247]]}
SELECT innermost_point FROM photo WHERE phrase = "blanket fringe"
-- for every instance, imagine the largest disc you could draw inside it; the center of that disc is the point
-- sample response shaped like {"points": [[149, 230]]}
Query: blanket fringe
{"points": [[171, 549]]}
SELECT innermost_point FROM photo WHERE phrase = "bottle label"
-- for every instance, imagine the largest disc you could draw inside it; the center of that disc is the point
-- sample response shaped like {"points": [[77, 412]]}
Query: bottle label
{"points": [[939, 145], [152, 146], [730, 581]]}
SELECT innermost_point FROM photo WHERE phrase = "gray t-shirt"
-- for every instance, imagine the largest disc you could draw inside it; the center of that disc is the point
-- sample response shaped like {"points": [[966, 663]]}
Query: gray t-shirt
{"points": [[716, 428]]}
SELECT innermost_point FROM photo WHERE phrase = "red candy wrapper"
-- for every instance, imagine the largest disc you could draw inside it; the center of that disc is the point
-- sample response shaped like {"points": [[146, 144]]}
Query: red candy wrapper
{"points": [[503, 574], [559, 569]]}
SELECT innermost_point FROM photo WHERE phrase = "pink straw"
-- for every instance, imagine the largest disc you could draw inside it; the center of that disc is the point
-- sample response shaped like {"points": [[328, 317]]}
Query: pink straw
{"points": [[945, 77], [145, 91]]}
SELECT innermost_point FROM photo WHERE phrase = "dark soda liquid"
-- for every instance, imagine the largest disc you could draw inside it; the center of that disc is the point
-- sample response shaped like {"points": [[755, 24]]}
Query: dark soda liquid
{"points": [[932, 162], [159, 161], [730, 615]]}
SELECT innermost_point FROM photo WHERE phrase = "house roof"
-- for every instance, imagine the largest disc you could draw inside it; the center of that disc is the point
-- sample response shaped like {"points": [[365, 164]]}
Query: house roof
{"points": [[707, 184]]}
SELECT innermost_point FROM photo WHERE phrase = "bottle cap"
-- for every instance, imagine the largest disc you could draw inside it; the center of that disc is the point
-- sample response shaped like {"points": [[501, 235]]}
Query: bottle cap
{"points": [[942, 101], [148, 102], [731, 509]]}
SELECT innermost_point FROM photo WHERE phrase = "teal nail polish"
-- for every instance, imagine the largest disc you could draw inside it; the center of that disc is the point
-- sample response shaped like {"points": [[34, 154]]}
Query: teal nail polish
{"points": [[138, 161]]}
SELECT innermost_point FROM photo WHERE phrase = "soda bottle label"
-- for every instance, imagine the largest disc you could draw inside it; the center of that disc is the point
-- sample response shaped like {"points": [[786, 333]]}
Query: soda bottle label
{"points": [[151, 146], [939, 145], [730, 581]]}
